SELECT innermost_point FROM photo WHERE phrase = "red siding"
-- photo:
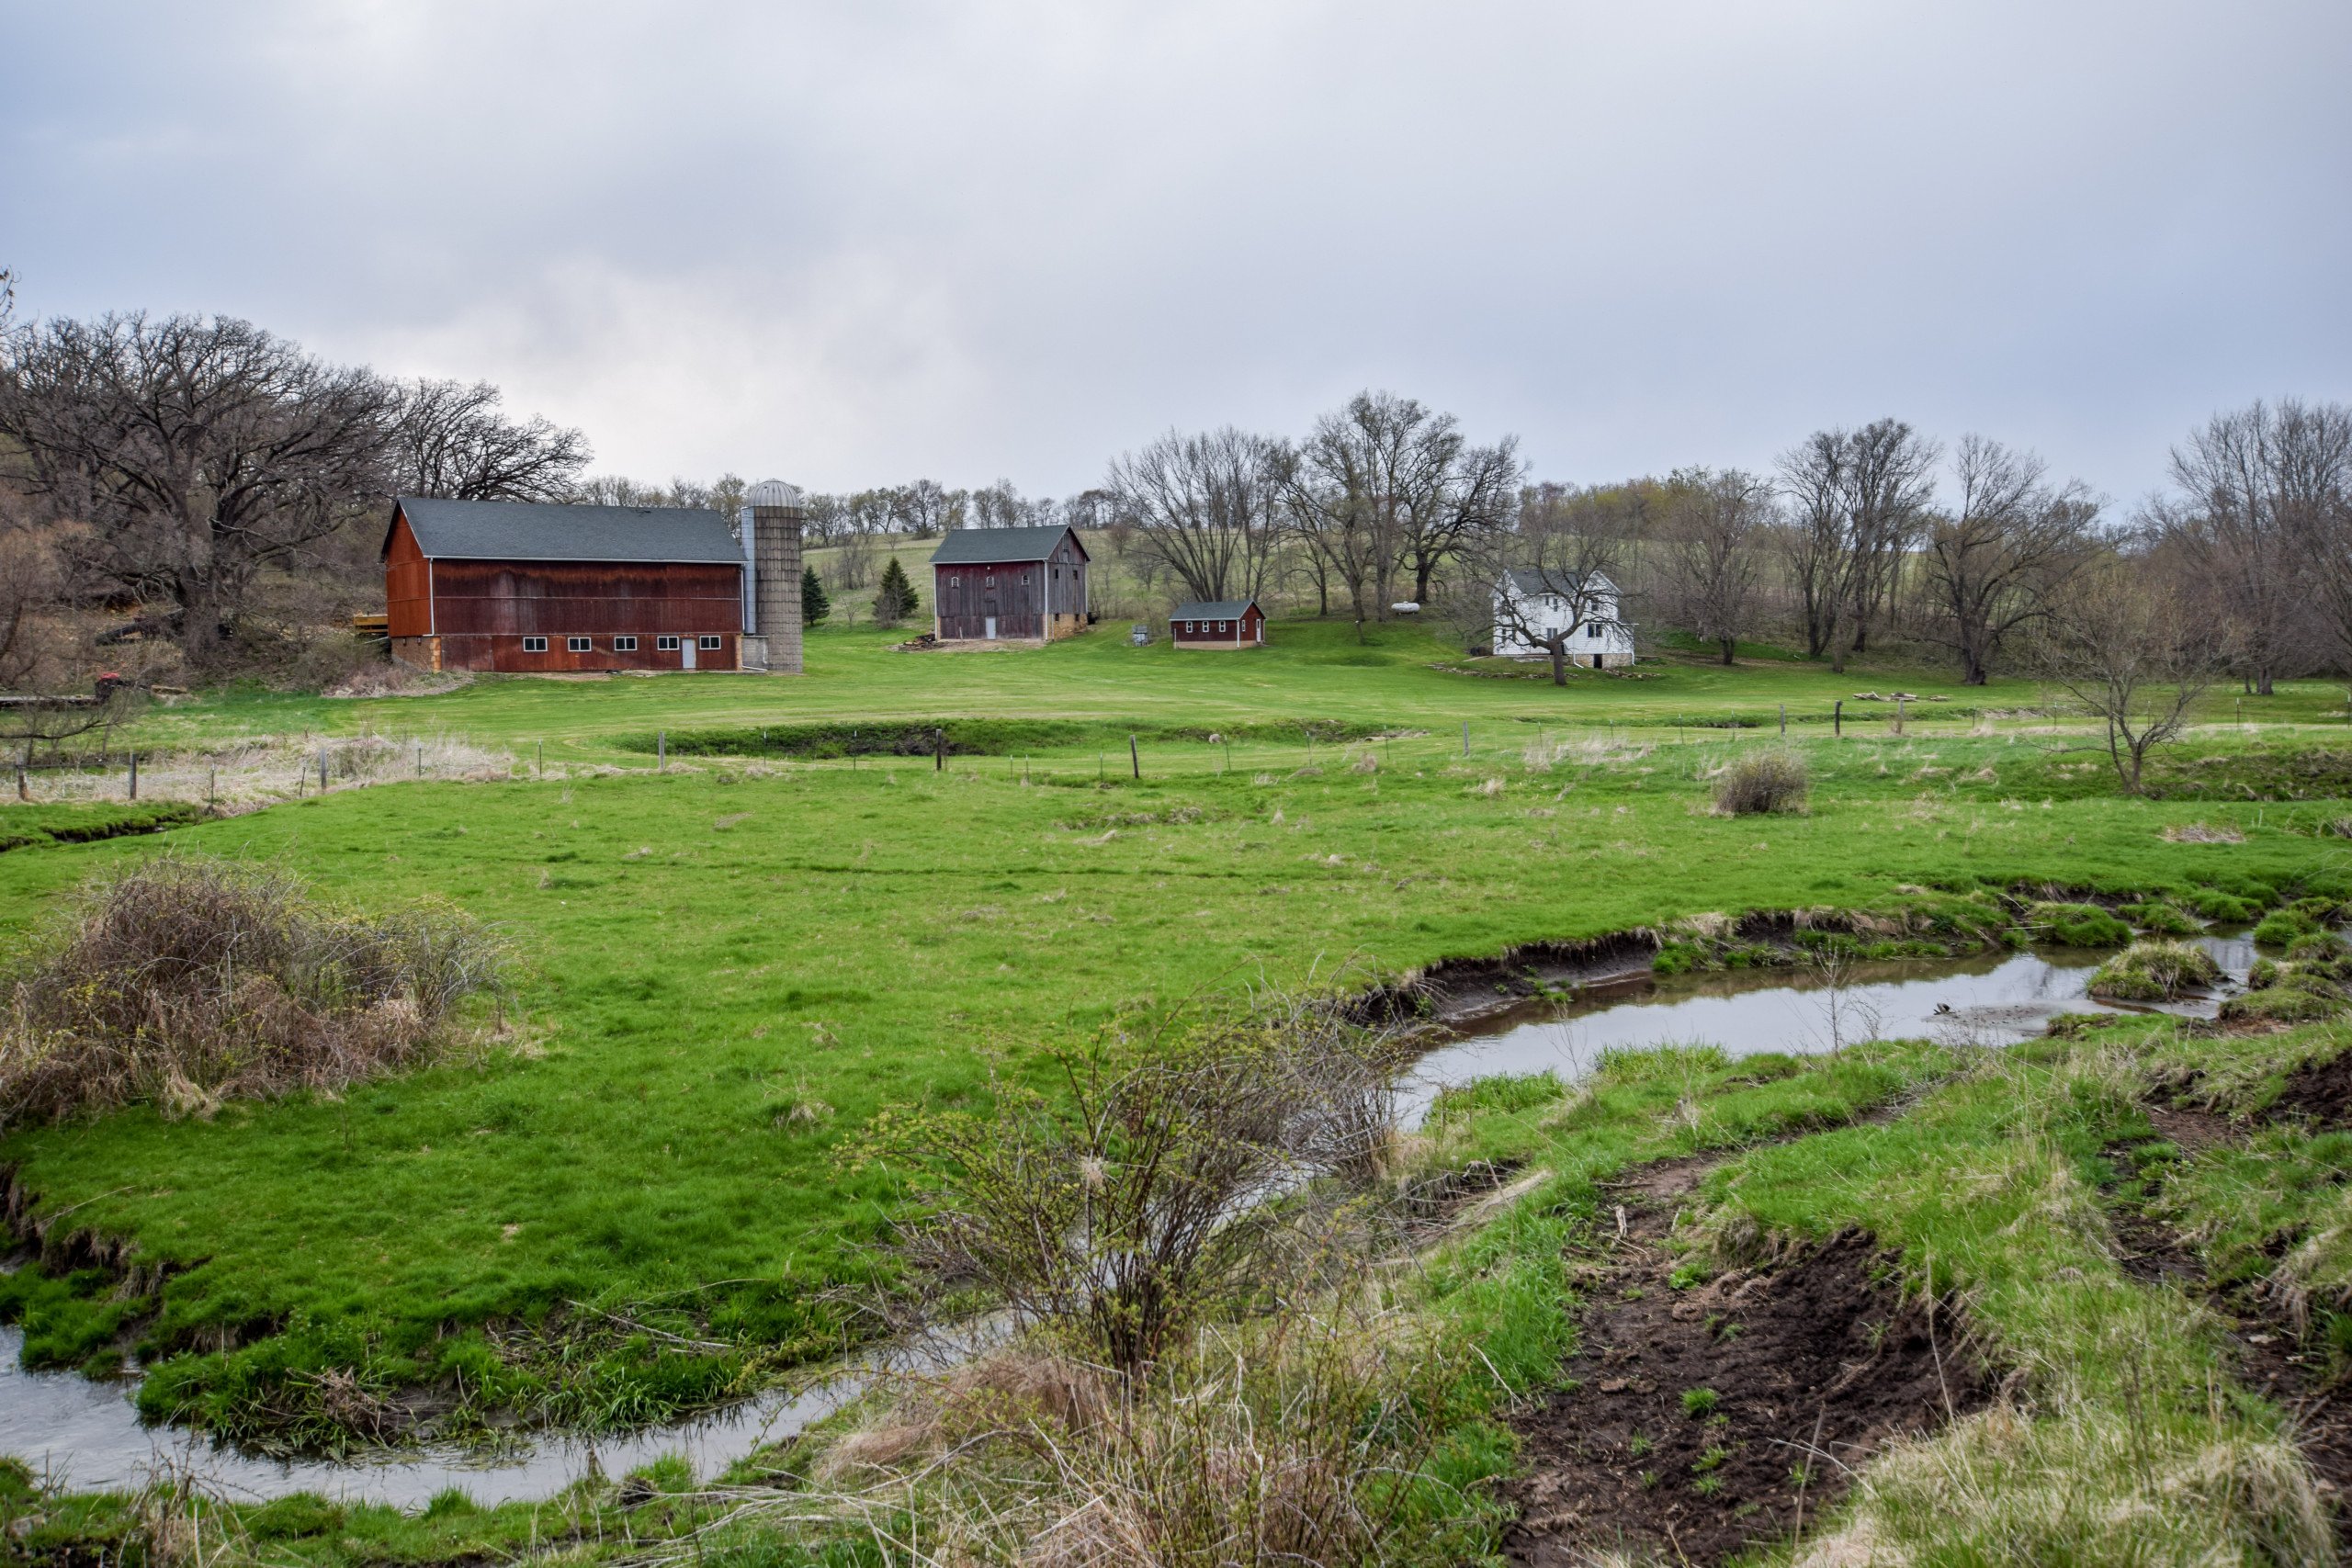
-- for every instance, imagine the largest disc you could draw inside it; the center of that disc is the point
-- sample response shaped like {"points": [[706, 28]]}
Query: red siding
{"points": [[473, 614], [1252, 624], [407, 595]]}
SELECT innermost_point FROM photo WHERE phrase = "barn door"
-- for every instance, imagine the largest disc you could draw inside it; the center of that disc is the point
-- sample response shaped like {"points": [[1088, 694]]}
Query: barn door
{"points": [[687, 651], [990, 621]]}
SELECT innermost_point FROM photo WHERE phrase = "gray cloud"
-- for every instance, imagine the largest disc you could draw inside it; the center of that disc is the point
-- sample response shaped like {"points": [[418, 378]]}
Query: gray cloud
{"points": [[855, 243]]}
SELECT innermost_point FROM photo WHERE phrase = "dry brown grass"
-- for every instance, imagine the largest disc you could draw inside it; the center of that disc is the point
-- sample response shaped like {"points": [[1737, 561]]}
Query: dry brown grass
{"points": [[1761, 782], [1289, 1440], [281, 767], [184, 982]]}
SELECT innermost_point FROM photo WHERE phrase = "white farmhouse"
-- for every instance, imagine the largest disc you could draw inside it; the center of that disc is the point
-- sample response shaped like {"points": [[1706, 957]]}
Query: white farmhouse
{"points": [[1524, 599]]}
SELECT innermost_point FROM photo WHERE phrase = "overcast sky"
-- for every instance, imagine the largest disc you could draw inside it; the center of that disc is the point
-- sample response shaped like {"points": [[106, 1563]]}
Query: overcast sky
{"points": [[853, 243]]}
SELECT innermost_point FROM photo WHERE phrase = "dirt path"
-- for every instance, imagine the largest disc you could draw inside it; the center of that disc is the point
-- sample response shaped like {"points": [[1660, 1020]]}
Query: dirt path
{"points": [[2267, 1353], [1811, 1364]]}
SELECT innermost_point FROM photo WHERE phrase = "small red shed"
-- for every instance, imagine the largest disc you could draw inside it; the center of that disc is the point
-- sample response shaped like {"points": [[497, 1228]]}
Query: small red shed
{"points": [[524, 587], [1218, 623]]}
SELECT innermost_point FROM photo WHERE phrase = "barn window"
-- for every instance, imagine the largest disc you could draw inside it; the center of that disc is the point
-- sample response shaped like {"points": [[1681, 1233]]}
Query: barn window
{"points": [[1225, 625], [578, 644], [624, 645], [955, 583], [665, 645], [706, 643], [534, 645]]}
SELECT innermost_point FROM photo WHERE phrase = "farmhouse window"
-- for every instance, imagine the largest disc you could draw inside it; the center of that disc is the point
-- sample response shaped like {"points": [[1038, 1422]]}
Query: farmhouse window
{"points": [[1593, 630], [665, 644], [707, 642], [534, 645], [578, 644], [624, 645]]}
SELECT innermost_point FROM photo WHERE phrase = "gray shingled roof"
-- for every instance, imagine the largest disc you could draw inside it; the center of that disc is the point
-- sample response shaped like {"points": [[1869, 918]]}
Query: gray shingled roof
{"points": [[978, 547], [1212, 610], [1533, 583], [522, 530]]}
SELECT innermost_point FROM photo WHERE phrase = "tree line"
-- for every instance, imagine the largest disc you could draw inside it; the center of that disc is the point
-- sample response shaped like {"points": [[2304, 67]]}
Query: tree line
{"points": [[199, 490], [1855, 538]]}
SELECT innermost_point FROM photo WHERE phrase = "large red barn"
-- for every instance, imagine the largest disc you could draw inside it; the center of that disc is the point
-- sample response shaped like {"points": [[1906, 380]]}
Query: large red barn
{"points": [[527, 587]]}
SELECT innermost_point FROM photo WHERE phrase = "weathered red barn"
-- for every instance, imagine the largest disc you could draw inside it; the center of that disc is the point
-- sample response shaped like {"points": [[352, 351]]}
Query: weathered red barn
{"points": [[522, 587], [1218, 623], [1017, 584]]}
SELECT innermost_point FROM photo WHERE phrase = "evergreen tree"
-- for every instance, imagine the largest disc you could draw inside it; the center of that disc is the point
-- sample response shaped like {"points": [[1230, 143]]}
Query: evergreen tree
{"points": [[815, 603], [895, 599]]}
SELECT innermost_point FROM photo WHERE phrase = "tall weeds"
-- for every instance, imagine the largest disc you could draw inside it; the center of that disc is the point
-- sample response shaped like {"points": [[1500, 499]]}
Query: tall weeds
{"points": [[187, 981], [1144, 1197]]}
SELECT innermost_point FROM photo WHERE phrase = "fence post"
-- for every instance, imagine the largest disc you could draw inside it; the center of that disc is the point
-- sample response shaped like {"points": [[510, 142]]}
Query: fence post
{"points": [[539, 768], [1838, 719], [1898, 716], [939, 750], [213, 784], [1466, 738], [1134, 757], [22, 793], [661, 750], [322, 770], [1784, 721], [134, 775]]}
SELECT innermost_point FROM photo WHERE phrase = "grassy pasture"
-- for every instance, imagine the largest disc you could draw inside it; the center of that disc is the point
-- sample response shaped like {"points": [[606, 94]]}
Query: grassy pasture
{"points": [[729, 968], [1399, 676]]}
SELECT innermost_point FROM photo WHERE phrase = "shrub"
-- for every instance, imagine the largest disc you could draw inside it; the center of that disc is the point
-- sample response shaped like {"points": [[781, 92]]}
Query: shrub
{"points": [[188, 981], [1126, 1207], [1761, 782], [2080, 925], [2154, 971]]}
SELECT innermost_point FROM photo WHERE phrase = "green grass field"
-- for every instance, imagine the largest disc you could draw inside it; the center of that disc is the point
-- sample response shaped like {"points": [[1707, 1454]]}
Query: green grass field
{"points": [[727, 969], [1399, 676]]}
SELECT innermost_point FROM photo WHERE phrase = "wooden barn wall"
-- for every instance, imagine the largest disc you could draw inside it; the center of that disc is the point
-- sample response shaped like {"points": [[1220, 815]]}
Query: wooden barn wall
{"points": [[407, 583], [1021, 596], [481, 611]]}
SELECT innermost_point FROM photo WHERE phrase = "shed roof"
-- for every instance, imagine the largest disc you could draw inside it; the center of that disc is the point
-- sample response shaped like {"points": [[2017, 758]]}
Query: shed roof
{"points": [[1535, 586], [978, 547], [1212, 610], [526, 530]]}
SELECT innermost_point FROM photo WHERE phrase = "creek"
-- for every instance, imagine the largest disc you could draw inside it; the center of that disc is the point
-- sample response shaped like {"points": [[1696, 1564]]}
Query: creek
{"points": [[87, 1434]]}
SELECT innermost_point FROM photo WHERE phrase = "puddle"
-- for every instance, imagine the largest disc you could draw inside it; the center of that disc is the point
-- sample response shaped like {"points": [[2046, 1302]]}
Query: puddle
{"points": [[87, 1434], [1995, 999]]}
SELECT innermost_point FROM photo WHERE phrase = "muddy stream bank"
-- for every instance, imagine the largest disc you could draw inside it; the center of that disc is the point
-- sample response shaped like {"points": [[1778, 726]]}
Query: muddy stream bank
{"points": [[87, 1434]]}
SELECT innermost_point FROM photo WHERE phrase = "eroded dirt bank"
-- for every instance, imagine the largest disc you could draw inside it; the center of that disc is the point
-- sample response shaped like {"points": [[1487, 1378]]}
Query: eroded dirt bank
{"points": [[1707, 1418]]}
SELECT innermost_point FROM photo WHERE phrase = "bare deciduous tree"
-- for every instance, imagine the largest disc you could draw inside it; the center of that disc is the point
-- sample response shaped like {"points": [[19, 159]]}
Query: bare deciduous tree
{"points": [[1383, 486], [200, 450], [2119, 642], [1859, 497], [449, 439], [1711, 539], [1474, 498], [2252, 486], [1205, 506], [1995, 561]]}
